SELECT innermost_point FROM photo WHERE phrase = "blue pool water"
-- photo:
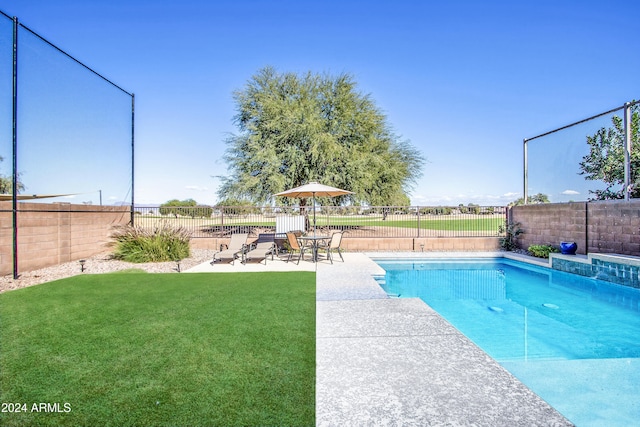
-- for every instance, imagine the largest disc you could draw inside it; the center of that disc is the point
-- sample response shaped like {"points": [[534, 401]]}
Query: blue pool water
{"points": [[575, 341]]}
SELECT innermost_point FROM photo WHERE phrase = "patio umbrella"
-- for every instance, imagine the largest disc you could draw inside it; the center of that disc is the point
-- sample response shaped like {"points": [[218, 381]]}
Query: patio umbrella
{"points": [[314, 189]]}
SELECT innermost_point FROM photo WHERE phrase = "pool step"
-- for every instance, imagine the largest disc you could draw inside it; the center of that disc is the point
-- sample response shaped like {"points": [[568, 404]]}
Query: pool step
{"points": [[380, 278], [382, 281]]}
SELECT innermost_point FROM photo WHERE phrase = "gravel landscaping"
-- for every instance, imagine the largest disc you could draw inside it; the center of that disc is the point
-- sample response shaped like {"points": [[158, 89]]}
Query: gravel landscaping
{"points": [[97, 264]]}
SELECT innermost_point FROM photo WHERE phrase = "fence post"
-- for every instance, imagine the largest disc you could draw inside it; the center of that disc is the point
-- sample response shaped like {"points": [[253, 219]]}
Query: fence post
{"points": [[525, 160], [418, 213], [627, 151], [133, 157], [14, 190], [507, 216]]}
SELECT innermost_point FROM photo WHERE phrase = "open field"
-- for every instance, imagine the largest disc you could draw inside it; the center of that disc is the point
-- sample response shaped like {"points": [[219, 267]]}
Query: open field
{"points": [[129, 349]]}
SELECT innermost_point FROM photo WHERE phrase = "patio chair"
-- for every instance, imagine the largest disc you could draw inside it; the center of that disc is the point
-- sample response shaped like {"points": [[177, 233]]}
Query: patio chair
{"points": [[294, 245], [235, 247], [260, 252], [334, 245], [265, 237]]}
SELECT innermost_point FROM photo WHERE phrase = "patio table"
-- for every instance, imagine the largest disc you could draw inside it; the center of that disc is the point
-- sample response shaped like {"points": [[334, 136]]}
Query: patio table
{"points": [[314, 242]]}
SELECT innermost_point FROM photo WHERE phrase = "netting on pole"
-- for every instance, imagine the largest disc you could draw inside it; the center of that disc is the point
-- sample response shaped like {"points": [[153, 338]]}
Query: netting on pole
{"points": [[66, 136], [75, 128], [553, 159], [6, 100]]}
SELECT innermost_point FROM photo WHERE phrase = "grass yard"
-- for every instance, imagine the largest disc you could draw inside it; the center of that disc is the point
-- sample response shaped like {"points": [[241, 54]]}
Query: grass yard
{"points": [[160, 349], [444, 223]]}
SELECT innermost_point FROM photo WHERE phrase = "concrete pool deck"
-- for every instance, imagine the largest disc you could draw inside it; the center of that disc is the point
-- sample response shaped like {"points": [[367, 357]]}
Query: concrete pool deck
{"points": [[389, 361]]}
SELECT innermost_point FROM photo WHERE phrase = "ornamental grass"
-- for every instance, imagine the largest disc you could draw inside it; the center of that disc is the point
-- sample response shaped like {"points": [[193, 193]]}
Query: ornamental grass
{"points": [[163, 242]]}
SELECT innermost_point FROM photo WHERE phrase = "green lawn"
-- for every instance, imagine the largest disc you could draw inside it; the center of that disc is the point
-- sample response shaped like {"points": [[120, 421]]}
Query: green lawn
{"points": [[161, 349], [489, 223]]}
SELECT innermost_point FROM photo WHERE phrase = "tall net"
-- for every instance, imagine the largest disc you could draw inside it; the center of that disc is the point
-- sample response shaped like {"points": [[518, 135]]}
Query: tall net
{"points": [[74, 126], [6, 100], [554, 161]]}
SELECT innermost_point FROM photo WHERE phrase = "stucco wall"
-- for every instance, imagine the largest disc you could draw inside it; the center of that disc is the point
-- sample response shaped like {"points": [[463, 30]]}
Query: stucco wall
{"points": [[611, 226], [51, 234]]}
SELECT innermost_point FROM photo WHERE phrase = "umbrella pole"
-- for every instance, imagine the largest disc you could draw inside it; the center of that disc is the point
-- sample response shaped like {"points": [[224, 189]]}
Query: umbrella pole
{"points": [[314, 214]]}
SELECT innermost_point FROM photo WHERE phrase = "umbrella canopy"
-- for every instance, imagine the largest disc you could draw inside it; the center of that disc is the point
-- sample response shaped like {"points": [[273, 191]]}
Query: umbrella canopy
{"points": [[314, 189]]}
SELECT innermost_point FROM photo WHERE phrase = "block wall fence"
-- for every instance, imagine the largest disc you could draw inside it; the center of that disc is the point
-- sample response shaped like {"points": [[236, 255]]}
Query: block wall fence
{"points": [[390, 244], [608, 227], [51, 234]]}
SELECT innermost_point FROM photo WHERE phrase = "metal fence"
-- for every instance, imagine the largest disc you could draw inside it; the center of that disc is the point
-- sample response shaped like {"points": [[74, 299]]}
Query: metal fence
{"points": [[373, 222]]}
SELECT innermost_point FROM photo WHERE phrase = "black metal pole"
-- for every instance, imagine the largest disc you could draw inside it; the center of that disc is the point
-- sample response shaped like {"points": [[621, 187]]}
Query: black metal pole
{"points": [[133, 122], [14, 190]]}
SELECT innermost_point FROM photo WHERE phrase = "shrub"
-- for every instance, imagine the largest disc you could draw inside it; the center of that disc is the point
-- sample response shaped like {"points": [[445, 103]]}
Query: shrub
{"points": [[511, 231], [163, 243], [542, 251]]}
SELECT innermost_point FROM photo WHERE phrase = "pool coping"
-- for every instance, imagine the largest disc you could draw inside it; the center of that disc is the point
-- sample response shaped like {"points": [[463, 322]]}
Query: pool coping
{"points": [[389, 361]]}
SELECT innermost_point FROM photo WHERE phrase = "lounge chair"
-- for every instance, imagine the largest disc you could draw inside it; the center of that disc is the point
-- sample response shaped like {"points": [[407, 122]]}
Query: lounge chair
{"points": [[234, 248], [260, 252], [334, 245], [294, 245]]}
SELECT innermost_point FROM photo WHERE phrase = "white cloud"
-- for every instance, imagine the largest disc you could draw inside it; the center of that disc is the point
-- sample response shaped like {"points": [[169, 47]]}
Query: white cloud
{"points": [[196, 188], [512, 194], [570, 192]]}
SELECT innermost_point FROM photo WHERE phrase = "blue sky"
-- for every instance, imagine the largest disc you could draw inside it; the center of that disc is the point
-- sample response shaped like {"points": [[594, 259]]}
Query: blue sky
{"points": [[464, 81]]}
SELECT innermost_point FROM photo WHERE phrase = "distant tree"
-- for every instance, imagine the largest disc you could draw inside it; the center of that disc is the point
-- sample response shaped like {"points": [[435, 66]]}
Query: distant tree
{"points": [[605, 161], [532, 200], [6, 183], [201, 211], [233, 206], [173, 206], [187, 207], [471, 208], [300, 128]]}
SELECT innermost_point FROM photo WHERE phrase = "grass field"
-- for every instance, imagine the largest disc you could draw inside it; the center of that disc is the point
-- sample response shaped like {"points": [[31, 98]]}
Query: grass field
{"points": [[135, 349], [441, 223]]}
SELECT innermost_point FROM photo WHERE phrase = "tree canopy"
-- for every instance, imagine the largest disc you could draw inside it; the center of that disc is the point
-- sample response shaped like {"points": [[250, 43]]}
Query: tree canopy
{"points": [[533, 200], [294, 129], [6, 183], [605, 161]]}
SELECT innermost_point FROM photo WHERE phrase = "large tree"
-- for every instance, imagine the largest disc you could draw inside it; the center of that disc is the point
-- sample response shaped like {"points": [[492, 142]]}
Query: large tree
{"points": [[605, 161], [300, 128]]}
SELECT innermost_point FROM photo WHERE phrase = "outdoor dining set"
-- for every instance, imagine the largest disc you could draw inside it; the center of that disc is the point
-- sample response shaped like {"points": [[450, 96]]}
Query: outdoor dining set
{"points": [[296, 241], [265, 245]]}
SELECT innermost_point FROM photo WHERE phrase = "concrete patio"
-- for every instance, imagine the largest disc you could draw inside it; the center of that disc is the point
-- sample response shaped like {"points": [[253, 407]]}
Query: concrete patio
{"points": [[389, 361]]}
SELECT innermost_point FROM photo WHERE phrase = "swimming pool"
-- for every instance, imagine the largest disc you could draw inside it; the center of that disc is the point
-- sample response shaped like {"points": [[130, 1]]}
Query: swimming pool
{"points": [[574, 341]]}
